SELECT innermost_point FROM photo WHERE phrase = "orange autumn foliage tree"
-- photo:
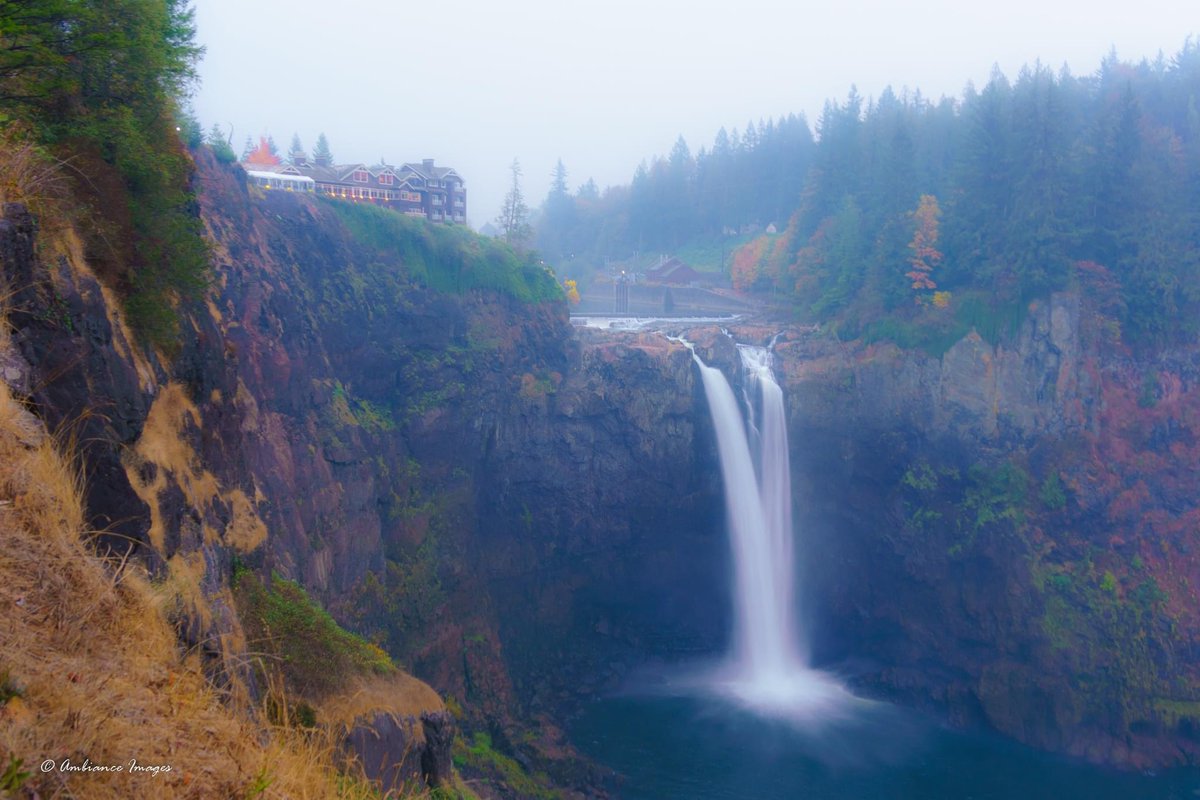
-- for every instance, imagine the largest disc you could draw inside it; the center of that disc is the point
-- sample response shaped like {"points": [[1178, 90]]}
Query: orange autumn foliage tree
{"points": [[925, 255], [746, 262], [262, 154]]}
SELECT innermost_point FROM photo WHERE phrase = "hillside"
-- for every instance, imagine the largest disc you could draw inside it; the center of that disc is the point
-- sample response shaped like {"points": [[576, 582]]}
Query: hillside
{"points": [[91, 668], [913, 220]]}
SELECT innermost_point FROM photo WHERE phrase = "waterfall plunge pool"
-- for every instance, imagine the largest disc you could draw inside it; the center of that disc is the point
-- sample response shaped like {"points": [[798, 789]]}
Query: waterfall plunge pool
{"points": [[694, 747]]}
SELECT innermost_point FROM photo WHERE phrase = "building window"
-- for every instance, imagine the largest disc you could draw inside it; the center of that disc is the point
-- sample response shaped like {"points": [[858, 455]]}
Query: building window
{"points": [[385, 179], [360, 175]]}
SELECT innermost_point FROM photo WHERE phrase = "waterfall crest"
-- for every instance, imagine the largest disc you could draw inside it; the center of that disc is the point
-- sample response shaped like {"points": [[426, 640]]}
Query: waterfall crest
{"points": [[769, 667]]}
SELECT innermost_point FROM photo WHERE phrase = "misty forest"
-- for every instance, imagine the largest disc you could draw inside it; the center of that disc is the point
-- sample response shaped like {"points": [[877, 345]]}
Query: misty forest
{"points": [[854, 457]]}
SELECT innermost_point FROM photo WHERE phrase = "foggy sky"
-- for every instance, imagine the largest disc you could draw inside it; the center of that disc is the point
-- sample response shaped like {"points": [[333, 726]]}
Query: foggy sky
{"points": [[604, 85]]}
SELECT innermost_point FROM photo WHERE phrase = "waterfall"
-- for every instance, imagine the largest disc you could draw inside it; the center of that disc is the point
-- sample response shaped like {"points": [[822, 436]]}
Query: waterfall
{"points": [[768, 668]]}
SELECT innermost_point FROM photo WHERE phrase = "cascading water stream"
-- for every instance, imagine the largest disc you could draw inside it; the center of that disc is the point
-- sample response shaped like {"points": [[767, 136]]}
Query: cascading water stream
{"points": [[787, 648], [768, 668]]}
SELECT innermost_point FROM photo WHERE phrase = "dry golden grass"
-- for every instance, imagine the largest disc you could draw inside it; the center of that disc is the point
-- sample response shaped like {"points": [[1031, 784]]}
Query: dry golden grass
{"points": [[98, 670], [399, 695], [245, 531], [28, 175]]}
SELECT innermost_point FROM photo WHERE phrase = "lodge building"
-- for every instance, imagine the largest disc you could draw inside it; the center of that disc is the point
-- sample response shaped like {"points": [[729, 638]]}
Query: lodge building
{"points": [[418, 190]]}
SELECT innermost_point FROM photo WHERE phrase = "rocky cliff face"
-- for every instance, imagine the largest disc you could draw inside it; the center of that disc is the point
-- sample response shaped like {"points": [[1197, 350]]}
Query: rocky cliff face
{"points": [[520, 512], [1007, 532], [517, 515], [457, 475]]}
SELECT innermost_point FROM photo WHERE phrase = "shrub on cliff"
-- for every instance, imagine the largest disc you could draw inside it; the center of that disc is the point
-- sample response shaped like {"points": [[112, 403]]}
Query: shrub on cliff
{"points": [[314, 653]]}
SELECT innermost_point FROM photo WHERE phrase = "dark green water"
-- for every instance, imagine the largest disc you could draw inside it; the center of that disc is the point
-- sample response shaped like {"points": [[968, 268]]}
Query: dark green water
{"points": [[694, 748]]}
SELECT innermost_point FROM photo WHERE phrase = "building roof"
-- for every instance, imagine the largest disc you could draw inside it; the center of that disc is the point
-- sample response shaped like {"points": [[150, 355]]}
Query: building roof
{"points": [[672, 270], [426, 169], [257, 173]]}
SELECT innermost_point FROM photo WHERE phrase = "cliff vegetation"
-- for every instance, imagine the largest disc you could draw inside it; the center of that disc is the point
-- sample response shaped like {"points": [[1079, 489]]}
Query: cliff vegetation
{"points": [[96, 87]]}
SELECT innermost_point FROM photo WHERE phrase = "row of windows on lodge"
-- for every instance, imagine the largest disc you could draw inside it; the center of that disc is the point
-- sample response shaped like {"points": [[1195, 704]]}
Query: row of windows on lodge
{"points": [[285, 182], [288, 183], [369, 194]]}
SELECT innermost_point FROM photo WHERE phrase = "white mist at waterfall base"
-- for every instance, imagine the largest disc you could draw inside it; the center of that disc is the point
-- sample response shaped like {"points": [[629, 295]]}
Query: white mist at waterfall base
{"points": [[768, 669]]}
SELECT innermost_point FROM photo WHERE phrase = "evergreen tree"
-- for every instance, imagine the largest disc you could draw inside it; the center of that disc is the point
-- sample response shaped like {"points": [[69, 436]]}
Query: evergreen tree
{"points": [[101, 84], [220, 145], [109, 57], [673, 193], [189, 128], [558, 212], [1033, 179], [296, 154], [322, 154], [513, 220], [558, 180]]}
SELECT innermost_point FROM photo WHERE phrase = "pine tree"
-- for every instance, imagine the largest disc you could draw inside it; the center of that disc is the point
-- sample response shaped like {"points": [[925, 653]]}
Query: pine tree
{"points": [[514, 215], [558, 183], [558, 215], [322, 154], [296, 154], [220, 145]]}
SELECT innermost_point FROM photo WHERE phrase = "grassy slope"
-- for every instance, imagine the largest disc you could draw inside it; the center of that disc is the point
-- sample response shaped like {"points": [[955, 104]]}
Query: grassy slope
{"points": [[448, 258], [92, 666]]}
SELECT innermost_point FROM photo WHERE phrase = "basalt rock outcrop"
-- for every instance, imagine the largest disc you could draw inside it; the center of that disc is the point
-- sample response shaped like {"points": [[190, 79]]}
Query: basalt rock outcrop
{"points": [[458, 475], [1007, 531], [455, 475], [1004, 532], [521, 512]]}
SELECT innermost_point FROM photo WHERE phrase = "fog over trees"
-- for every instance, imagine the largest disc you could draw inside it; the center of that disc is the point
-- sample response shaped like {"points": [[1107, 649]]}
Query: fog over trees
{"points": [[1042, 181]]}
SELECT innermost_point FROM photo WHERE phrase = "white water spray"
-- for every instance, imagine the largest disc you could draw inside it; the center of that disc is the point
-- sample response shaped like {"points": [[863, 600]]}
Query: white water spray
{"points": [[768, 669]]}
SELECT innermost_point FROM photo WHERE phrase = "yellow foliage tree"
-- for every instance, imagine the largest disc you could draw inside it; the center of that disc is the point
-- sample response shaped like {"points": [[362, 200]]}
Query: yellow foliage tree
{"points": [[572, 290]]}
